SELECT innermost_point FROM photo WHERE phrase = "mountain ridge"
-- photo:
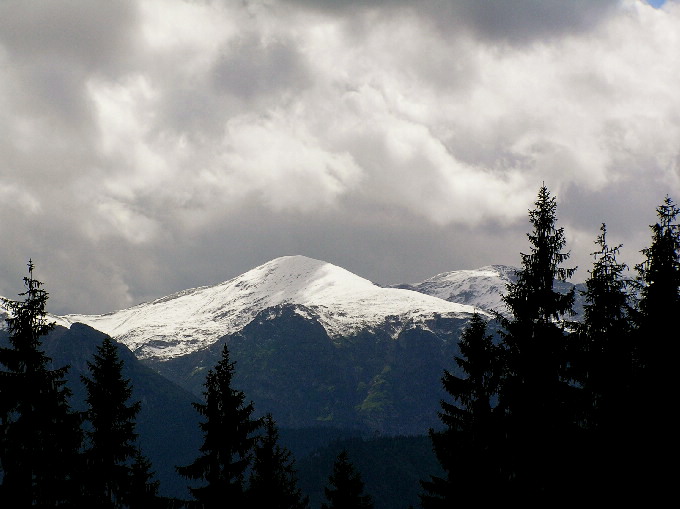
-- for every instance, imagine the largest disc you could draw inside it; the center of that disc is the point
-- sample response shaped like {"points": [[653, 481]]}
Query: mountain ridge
{"points": [[315, 344], [193, 319], [481, 288]]}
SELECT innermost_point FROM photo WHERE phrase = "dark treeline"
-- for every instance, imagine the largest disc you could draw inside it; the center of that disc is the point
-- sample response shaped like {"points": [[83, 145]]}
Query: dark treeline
{"points": [[542, 410], [562, 412]]}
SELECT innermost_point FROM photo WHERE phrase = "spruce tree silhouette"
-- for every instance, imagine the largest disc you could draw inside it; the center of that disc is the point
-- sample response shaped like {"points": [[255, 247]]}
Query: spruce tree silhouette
{"points": [[535, 396], [659, 278], [656, 348], [602, 363], [143, 488], [228, 440], [273, 480], [346, 489], [467, 447], [40, 435], [111, 438]]}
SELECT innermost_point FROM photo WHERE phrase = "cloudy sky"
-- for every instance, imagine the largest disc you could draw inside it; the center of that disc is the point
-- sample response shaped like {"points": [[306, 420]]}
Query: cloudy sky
{"points": [[155, 145]]}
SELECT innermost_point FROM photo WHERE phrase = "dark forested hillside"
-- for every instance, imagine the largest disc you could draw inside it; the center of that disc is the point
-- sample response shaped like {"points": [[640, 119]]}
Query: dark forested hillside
{"points": [[372, 382], [391, 468]]}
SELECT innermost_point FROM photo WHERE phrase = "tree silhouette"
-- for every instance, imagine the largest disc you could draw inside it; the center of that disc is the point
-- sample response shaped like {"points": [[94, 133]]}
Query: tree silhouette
{"points": [[467, 447], [603, 366], [346, 489], [39, 433], [111, 447], [659, 277], [143, 493], [535, 396], [273, 480], [606, 363], [656, 348], [228, 440]]}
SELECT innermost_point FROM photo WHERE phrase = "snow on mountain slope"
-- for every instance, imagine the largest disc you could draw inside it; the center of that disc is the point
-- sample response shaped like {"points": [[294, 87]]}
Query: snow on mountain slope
{"points": [[4, 314], [187, 321], [481, 288]]}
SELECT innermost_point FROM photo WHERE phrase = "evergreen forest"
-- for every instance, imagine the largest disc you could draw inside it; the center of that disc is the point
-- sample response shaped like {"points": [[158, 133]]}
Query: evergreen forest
{"points": [[541, 409]]}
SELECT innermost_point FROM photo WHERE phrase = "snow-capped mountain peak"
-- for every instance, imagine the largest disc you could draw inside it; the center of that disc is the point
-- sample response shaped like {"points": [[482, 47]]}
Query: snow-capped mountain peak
{"points": [[343, 302]]}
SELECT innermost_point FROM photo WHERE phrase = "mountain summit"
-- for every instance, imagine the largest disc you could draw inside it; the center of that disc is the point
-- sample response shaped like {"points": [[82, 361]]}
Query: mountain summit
{"points": [[342, 302]]}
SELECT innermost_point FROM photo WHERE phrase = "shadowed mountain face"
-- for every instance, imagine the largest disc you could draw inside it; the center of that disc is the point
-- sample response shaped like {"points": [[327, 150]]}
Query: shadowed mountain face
{"points": [[288, 365]]}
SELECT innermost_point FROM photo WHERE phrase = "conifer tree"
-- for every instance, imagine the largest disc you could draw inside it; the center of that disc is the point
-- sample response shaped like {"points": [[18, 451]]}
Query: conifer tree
{"points": [[39, 433], [273, 480], [143, 488], [467, 447], [603, 366], [346, 489], [228, 440], [605, 357], [659, 277], [111, 447], [656, 348], [534, 394]]}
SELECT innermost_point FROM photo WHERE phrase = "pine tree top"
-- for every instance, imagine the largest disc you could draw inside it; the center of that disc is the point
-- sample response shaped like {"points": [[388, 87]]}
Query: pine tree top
{"points": [[26, 324], [532, 298]]}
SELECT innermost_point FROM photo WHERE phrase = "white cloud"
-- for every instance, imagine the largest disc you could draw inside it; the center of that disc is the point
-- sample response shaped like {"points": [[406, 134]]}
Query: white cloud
{"points": [[285, 164], [174, 118], [513, 116]]}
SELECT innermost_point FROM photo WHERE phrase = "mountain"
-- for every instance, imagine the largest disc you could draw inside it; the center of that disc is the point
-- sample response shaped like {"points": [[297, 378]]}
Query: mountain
{"points": [[313, 343], [483, 288], [328, 353], [343, 303]]}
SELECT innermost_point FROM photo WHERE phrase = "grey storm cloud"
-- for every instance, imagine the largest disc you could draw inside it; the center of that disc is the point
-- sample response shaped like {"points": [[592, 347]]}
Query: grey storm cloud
{"points": [[518, 21], [250, 68], [153, 145], [51, 48], [74, 32]]}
